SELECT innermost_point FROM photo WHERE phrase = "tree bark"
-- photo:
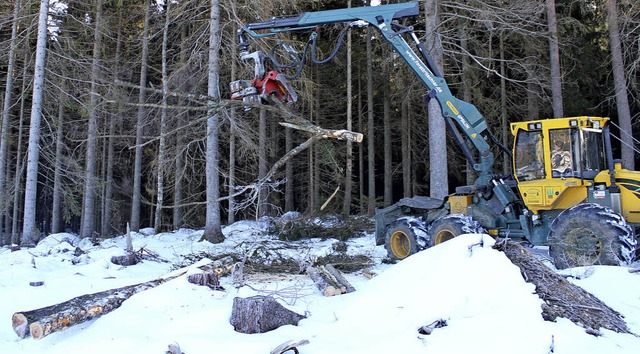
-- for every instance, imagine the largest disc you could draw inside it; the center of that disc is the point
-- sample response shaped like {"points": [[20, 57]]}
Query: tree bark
{"points": [[329, 280], [29, 228], [44, 321], [89, 201], [5, 123], [162, 149], [213, 229], [142, 97], [348, 173], [562, 298], [262, 164], [386, 102], [554, 60], [56, 217], [371, 205], [620, 85], [17, 180], [438, 171], [260, 314]]}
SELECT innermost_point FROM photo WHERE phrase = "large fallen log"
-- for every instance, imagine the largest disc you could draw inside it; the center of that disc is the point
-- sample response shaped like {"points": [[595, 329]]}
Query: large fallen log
{"points": [[562, 298], [329, 280], [44, 321]]}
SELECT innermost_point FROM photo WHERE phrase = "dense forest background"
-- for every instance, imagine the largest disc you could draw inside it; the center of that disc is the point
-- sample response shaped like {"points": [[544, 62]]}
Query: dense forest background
{"points": [[132, 123]]}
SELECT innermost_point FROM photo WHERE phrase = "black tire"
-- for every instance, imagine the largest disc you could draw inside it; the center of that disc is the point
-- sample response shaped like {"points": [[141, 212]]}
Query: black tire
{"points": [[450, 226], [402, 240], [590, 234]]}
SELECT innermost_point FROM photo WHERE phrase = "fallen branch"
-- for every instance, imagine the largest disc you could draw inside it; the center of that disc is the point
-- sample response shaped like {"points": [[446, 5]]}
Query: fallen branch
{"points": [[329, 280], [562, 298]]}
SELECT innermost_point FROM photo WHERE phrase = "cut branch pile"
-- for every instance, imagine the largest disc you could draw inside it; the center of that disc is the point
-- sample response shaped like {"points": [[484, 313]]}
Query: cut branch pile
{"points": [[562, 298], [329, 280]]}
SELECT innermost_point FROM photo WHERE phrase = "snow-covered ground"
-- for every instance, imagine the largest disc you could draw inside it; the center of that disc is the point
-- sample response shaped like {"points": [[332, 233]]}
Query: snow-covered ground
{"points": [[487, 306]]}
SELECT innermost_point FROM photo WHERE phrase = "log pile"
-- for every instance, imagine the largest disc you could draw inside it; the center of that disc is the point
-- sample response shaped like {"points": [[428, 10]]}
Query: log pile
{"points": [[329, 280], [562, 298]]}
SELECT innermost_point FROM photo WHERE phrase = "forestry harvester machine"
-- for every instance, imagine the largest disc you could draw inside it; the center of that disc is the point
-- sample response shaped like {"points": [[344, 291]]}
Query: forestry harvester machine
{"points": [[566, 190]]}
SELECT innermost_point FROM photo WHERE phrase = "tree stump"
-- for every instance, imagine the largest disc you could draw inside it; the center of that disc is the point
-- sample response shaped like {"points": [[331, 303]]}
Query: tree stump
{"points": [[562, 298], [260, 314]]}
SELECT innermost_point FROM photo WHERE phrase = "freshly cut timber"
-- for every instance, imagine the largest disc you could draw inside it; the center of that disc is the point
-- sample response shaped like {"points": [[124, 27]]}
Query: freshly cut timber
{"points": [[44, 321], [329, 280]]}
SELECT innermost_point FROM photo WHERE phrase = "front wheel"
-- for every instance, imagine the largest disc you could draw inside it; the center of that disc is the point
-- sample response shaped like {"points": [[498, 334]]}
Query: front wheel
{"points": [[402, 239], [589, 234], [450, 226]]}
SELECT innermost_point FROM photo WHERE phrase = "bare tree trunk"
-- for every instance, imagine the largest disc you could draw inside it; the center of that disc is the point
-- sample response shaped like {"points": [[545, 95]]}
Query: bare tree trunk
{"points": [[213, 229], [371, 205], [56, 217], [262, 163], [466, 90], [180, 145], [406, 150], [142, 97], [17, 180], [4, 128], [504, 123], [88, 212], [554, 58], [386, 101], [29, 228], [348, 176], [620, 84], [162, 149], [438, 172], [361, 201], [289, 184], [231, 214], [108, 188]]}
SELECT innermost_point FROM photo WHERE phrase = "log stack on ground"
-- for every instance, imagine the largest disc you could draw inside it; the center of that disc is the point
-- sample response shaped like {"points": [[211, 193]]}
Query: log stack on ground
{"points": [[562, 298], [329, 280], [260, 314]]}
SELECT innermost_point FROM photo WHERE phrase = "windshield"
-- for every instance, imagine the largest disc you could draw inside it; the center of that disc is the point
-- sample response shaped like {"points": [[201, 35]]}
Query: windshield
{"points": [[529, 159]]}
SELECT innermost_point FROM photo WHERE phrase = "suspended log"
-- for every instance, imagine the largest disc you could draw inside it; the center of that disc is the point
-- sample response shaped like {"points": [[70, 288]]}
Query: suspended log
{"points": [[260, 314], [44, 321], [329, 280], [562, 298]]}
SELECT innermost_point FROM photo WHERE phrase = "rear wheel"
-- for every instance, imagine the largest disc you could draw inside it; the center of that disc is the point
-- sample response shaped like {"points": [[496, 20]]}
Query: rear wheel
{"points": [[589, 234], [450, 226], [402, 240]]}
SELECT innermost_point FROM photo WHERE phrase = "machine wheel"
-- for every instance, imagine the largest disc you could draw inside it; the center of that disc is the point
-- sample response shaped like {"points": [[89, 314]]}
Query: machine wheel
{"points": [[401, 239], [450, 226], [589, 234]]}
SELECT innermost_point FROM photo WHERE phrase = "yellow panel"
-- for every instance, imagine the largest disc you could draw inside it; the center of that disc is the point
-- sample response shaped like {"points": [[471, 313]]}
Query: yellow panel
{"points": [[459, 203]]}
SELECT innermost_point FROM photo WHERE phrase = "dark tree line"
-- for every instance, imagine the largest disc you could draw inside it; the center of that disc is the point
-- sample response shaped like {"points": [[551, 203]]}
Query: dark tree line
{"points": [[131, 123]]}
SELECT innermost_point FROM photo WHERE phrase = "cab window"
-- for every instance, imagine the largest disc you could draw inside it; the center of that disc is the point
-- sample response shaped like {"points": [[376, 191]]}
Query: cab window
{"points": [[529, 156]]}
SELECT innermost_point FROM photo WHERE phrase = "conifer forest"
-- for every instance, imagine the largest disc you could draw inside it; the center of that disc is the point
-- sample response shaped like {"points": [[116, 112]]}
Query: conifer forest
{"points": [[116, 114]]}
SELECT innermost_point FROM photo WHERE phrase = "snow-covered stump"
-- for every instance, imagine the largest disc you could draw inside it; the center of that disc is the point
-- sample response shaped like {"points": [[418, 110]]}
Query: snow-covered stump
{"points": [[329, 280], [562, 298], [44, 321], [260, 314]]}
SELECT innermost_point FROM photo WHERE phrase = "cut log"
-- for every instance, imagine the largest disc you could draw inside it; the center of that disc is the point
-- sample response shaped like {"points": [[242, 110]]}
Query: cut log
{"points": [[562, 298], [260, 314], [208, 279], [329, 280], [44, 321]]}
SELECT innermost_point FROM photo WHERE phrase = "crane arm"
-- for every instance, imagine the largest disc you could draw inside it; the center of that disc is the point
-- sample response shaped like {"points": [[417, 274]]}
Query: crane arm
{"points": [[465, 116]]}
